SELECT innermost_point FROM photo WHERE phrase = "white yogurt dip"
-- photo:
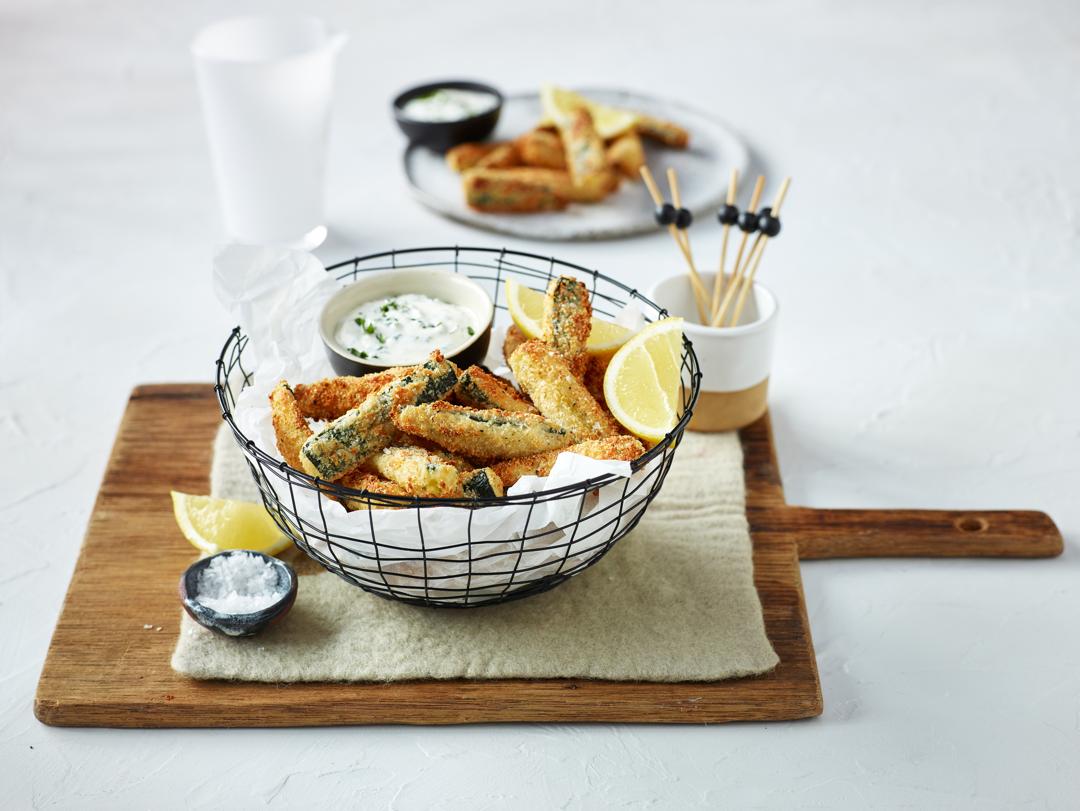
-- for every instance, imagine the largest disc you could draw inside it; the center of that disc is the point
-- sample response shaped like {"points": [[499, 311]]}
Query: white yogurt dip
{"points": [[403, 330], [449, 104]]}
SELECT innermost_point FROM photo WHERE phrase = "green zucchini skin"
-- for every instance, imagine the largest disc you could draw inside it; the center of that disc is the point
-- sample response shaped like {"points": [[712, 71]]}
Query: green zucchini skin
{"points": [[483, 483], [367, 429]]}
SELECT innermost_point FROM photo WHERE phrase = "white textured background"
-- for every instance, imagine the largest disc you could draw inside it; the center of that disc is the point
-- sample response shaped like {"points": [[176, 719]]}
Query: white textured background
{"points": [[929, 274]]}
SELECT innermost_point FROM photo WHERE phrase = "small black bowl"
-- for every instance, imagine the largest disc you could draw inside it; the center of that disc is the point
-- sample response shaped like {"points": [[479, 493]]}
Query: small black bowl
{"points": [[237, 624], [441, 135]]}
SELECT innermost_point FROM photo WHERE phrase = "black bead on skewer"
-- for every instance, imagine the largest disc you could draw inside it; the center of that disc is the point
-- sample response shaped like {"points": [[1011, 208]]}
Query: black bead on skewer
{"points": [[728, 215], [666, 214], [769, 225], [684, 219], [748, 222]]}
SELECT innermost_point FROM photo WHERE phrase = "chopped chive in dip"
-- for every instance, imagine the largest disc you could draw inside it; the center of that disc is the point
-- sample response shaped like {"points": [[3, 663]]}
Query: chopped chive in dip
{"points": [[404, 329]]}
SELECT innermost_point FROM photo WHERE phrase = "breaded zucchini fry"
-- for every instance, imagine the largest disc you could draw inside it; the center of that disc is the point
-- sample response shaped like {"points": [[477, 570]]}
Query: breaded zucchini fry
{"points": [[627, 154], [593, 188], [362, 431], [485, 434], [501, 157], [596, 187], [444, 455], [483, 483], [467, 155], [511, 190], [369, 483], [567, 317], [290, 428], [478, 388], [585, 157], [545, 376], [665, 132], [528, 190], [595, 367], [541, 148], [514, 338], [626, 448], [330, 398], [417, 471]]}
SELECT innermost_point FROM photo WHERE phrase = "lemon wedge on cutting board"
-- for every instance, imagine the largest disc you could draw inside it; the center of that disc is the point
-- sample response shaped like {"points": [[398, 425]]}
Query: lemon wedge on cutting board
{"points": [[642, 382], [558, 104], [213, 525], [526, 308]]}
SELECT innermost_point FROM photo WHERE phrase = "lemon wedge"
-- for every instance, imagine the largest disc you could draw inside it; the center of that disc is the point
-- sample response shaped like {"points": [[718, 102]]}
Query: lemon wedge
{"points": [[526, 308], [605, 337], [213, 525], [642, 382], [609, 122]]}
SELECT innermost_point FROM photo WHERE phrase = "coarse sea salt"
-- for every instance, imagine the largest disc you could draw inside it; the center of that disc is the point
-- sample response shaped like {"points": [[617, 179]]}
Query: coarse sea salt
{"points": [[240, 583]]}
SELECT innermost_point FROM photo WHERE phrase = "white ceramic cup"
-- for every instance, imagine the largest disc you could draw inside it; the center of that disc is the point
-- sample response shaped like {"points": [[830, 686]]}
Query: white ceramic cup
{"points": [[266, 84], [735, 361]]}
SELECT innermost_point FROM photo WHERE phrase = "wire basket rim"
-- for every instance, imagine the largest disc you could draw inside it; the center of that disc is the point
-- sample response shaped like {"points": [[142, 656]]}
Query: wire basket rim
{"points": [[341, 491]]}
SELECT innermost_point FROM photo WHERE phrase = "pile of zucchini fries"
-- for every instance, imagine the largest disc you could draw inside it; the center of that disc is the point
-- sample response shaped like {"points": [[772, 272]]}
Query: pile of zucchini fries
{"points": [[434, 430]]}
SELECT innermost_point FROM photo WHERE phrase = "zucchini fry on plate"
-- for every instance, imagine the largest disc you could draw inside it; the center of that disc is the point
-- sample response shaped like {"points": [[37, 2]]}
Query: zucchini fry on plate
{"points": [[541, 148], [585, 156], [666, 132], [513, 190], [502, 157], [467, 155], [527, 189], [627, 154]]}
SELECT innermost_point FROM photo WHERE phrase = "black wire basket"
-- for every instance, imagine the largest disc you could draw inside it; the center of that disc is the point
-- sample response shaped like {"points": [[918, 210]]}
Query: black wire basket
{"points": [[551, 535]]}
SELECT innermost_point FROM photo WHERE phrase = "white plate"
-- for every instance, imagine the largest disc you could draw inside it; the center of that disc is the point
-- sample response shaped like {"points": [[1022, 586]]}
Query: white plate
{"points": [[704, 169]]}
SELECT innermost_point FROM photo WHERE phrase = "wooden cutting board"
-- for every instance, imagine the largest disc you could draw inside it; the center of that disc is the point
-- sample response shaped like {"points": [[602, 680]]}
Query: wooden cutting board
{"points": [[108, 664]]}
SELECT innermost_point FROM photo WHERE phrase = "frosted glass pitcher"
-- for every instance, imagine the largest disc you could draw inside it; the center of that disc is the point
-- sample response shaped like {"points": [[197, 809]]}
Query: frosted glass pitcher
{"points": [[266, 85]]}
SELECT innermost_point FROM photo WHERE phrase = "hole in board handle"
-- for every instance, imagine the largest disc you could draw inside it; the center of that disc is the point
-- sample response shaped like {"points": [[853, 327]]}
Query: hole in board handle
{"points": [[972, 523]]}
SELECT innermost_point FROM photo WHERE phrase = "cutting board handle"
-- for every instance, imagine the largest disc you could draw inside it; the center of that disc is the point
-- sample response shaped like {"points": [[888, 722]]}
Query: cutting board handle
{"points": [[921, 533]]}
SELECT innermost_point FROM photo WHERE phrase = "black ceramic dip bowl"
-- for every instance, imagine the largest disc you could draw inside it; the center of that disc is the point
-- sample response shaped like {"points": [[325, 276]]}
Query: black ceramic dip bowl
{"points": [[441, 135], [237, 625]]}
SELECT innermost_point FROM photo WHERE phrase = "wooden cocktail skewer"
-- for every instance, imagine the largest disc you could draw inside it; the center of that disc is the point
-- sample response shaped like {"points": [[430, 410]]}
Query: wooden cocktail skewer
{"points": [[758, 241], [718, 284], [700, 294], [676, 200], [748, 283], [739, 269], [755, 198]]}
